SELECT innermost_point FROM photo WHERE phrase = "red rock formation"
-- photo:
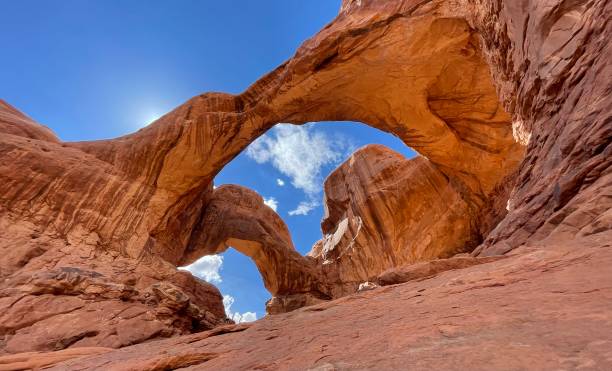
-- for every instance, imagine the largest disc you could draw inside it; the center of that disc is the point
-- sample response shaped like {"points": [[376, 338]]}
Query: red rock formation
{"points": [[38, 360], [142, 195], [89, 217], [429, 269], [542, 308], [16, 123], [55, 270], [237, 217], [551, 63], [384, 211]]}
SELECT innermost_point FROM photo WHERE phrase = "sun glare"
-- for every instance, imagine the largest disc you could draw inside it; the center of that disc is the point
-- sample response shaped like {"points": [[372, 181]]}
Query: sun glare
{"points": [[152, 118]]}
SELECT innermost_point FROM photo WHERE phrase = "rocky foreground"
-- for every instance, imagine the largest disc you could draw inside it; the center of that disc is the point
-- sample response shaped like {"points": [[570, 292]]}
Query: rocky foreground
{"points": [[491, 250], [538, 308]]}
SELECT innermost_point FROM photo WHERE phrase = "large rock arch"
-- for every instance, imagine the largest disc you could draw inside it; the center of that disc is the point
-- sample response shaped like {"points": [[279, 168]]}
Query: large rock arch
{"points": [[237, 217], [422, 77], [109, 221], [413, 69]]}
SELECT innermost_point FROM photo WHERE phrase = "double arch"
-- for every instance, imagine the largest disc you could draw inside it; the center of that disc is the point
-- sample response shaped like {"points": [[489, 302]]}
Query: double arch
{"points": [[416, 72]]}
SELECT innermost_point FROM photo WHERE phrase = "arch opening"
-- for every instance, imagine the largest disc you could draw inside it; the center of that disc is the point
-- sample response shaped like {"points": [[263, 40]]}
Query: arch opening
{"points": [[432, 89], [285, 182], [355, 240]]}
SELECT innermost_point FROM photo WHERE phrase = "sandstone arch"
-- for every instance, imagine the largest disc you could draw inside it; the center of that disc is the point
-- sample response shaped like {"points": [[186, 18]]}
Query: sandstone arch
{"points": [[126, 209], [420, 75], [443, 104], [237, 217], [136, 202]]}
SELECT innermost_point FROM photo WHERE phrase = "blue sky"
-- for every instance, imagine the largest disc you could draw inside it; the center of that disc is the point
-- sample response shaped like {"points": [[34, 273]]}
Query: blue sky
{"points": [[94, 69]]}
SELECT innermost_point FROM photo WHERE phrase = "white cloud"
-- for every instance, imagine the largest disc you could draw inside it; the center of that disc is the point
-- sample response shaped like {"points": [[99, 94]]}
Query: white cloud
{"points": [[245, 317], [207, 268], [304, 208], [300, 153], [228, 301], [272, 203]]}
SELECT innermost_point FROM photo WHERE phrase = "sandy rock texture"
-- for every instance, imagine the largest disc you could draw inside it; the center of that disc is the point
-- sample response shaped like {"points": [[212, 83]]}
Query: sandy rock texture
{"points": [[506, 101], [422, 77], [383, 211], [551, 63], [236, 216], [61, 285], [540, 308]]}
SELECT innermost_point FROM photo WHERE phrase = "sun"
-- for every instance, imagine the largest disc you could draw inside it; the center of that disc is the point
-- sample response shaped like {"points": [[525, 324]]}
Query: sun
{"points": [[152, 118]]}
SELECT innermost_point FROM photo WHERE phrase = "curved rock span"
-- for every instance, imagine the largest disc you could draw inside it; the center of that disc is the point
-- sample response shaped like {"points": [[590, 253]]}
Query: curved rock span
{"points": [[504, 102]]}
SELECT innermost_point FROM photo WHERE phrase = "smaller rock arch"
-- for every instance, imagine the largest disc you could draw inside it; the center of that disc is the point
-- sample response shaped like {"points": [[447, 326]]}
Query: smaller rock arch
{"points": [[237, 217]]}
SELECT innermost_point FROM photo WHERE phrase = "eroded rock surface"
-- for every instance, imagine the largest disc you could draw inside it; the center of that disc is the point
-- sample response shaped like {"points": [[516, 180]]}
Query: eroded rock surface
{"points": [[92, 232], [551, 63], [61, 295], [38, 360], [383, 210], [430, 268], [237, 217], [542, 308], [61, 285], [141, 197]]}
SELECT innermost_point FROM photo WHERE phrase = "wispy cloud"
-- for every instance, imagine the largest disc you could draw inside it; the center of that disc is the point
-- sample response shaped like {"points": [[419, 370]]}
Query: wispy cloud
{"points": [[304, 208], [272, 203], [228, 301], [207, 268], [300, 153], [280, 182]]}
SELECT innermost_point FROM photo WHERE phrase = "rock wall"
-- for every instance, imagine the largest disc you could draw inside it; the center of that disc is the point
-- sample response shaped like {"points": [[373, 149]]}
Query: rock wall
{"points": [[541, 308], [61, 285], [551, 64], [237, 217]]}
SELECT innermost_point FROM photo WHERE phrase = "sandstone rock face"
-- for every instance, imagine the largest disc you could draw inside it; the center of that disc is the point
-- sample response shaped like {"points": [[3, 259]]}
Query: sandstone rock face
{"points": [[38, 360], [143, 196], [384, 211], [61, 285], [61, 295], [92, 232], [237, 217], [14, 122], [429, 269], [551, 63], [541, 308]]}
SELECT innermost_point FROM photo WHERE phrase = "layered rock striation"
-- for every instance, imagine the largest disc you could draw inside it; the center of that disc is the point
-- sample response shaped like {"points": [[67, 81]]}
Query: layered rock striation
{"points": [[507, 104], [550, 61], [383, 211], [61, 284], [545, 307]]}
